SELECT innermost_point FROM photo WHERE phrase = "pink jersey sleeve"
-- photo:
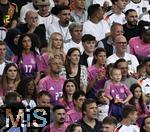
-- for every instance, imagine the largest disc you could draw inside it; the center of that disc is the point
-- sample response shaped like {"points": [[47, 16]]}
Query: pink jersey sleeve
{"points": [[42, 85], [128, 92], [107, 90], [131, 45], [42, 62], [14, 59]]}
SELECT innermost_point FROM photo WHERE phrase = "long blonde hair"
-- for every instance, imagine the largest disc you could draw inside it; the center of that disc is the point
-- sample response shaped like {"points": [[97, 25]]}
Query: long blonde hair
{"points": [[50, 46]]}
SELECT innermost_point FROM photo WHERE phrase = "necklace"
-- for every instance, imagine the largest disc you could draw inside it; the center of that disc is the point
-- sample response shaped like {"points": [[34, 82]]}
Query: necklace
{"points": [[64, 33]]}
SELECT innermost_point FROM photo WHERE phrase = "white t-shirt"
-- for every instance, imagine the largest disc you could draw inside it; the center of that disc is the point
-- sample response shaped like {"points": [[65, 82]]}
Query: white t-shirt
{"points": [[2, 66], [140, 7], [111, 17], [3, 32], [72, 44], [131, 59], [56, 27], [90, 60], [101, 2], [32, 103], [145, 17], [98, 30], [145, 84], [130, 128], [102, 111], [47, 21], [29, 7], [25, 9]]}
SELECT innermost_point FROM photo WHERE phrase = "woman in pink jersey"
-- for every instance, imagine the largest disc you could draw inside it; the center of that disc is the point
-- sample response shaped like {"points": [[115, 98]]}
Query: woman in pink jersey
{"points": [[27, 57], [140, 46], [97, 73], [55, 47], [69, 89], [138, 101], [10, 79]]}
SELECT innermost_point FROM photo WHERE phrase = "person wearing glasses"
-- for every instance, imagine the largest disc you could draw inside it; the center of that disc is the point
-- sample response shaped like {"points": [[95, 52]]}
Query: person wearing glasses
{"points": [[121, 45], [108, 42], [140, 45]]}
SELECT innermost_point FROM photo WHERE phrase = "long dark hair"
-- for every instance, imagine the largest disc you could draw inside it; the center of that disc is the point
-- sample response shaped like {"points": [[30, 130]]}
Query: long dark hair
{"points": [[141, 101], [96, 52], [142, 24], [20, 47], [64, 88], [143, 124], [67, 61], [10, 36], [22, 88]]}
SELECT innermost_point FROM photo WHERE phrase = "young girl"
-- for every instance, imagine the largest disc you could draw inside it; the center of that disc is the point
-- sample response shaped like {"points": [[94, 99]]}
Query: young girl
{"points": [[117, 93], [103, 105], [27, 89], [138, 101], [69, 89]]}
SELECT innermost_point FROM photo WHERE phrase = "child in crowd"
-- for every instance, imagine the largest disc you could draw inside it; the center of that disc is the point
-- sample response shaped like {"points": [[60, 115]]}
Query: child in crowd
{"points": [[74, 128], [103, 106], [141, 71], [117, 93]]}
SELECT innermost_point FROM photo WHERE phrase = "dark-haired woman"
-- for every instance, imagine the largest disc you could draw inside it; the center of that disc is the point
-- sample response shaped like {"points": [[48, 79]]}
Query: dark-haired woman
{"points": [[139, 102], [97, 73], [11, 40], [69, 89], [27, 57], [73, 69], [27, 89]]}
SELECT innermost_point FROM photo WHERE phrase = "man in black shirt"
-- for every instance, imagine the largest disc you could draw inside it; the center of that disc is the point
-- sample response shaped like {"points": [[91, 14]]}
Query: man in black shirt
{"points": [[32, 26], [131, 28], [89, 122]]}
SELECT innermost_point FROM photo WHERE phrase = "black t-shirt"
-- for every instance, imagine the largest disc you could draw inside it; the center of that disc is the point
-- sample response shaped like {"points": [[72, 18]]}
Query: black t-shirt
{"points": [[40, 31], [10, 13], [87, 128], [130, 32], [19, 3]]}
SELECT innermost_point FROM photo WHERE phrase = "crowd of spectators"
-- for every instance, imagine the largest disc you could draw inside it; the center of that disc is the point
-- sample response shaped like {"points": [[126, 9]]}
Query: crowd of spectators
{"points": [[87, 61]]}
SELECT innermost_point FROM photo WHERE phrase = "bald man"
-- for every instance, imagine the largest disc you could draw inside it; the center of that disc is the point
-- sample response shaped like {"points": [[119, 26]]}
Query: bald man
{"points": [[32, 26], [121, 44]]}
